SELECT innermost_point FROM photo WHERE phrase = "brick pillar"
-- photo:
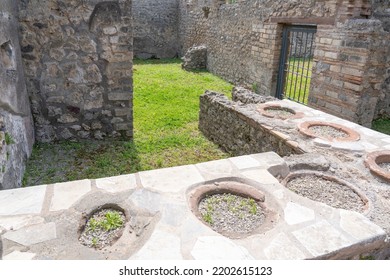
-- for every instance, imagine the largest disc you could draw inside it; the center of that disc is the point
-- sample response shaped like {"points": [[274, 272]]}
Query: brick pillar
{"points": [[348, 70]]}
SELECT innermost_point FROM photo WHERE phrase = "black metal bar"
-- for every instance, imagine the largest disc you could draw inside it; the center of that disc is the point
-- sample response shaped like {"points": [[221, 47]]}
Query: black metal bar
{"points": [[293, 64], [304, 61], [283, 56], [286, 79], [296, 68]]}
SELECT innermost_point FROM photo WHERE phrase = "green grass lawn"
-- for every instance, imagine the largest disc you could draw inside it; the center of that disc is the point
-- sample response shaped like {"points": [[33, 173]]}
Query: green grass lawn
{"points": [[382, 125], [297, 85], [166, 108]]}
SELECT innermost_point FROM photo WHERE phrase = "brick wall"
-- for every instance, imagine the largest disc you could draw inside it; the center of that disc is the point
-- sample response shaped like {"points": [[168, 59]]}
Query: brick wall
{"points": [[351, 70]]}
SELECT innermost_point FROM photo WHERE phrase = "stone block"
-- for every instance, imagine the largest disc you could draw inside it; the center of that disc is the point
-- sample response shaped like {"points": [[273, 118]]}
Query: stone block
{"points": [[117, 183], [31, 235], [22, 201], [322, 238], [170, 179], [66, 194], [218, 248], [118, 96]]}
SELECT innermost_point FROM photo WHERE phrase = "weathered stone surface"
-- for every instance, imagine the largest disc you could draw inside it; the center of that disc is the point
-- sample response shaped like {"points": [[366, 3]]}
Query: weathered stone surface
{"points": [[22, 201], [321, 238], [117, 183], [170, 179], [66, 194], [31, 235], [282, 248], [261, 176], [307, 161], [244, 162], [156, 28], [295, 214], [235, 128], [17, 255], [195, 58], [161, 245], [358, 226], [216, 169], [17, 222], [218, 248], [246, 96], [15, 113], [69, 59]]}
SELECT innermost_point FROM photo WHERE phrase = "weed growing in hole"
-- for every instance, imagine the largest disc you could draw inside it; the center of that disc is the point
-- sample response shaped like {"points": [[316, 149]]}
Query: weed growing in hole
{"points": [[8, 139], [207, 218], [94, 241], [255, 87], [112, 221], [93, 224]]}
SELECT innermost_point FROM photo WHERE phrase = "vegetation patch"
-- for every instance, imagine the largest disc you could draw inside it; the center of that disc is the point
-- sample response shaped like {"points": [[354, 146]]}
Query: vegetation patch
{"points": [[166, 134], [382, 125], [103, 228]]}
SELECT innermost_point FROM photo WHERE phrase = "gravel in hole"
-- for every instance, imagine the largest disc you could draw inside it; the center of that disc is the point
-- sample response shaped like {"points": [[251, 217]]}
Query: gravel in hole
{"points": [[327, 131], [327, 191], [231, 213], [385, 166], [103, 228], [279, 112]]}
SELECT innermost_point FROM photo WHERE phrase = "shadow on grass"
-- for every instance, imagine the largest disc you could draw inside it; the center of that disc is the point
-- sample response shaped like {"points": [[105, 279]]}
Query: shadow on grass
{"points": [[68, 161]]}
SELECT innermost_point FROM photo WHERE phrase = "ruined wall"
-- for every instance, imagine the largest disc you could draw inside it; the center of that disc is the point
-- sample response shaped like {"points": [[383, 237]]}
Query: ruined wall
{"points": [[155, 28], [16, 127], [243, 40], [235, 129], [77, 56]]}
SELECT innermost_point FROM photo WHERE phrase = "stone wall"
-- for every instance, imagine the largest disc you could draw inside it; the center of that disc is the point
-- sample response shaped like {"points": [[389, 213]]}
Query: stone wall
{"points": [[16, 127], [155, 28], [234, 128], [77, 56], [351, 73], [243, 39]]}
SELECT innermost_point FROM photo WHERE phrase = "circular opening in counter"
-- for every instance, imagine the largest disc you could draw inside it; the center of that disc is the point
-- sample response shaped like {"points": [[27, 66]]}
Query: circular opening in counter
{"points": [[231, 208], [379, 164], [278, 112], [103, 227], [330, 190], [328, 131]]}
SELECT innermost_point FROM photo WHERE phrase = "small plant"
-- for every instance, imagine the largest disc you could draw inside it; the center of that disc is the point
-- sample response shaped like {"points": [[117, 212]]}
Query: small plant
{"points": [[8, 139], [93, 224], [255, 87], [102, 228], [368, 257], [112, 221], [94, 241], [207, 218], [253, 207]]}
